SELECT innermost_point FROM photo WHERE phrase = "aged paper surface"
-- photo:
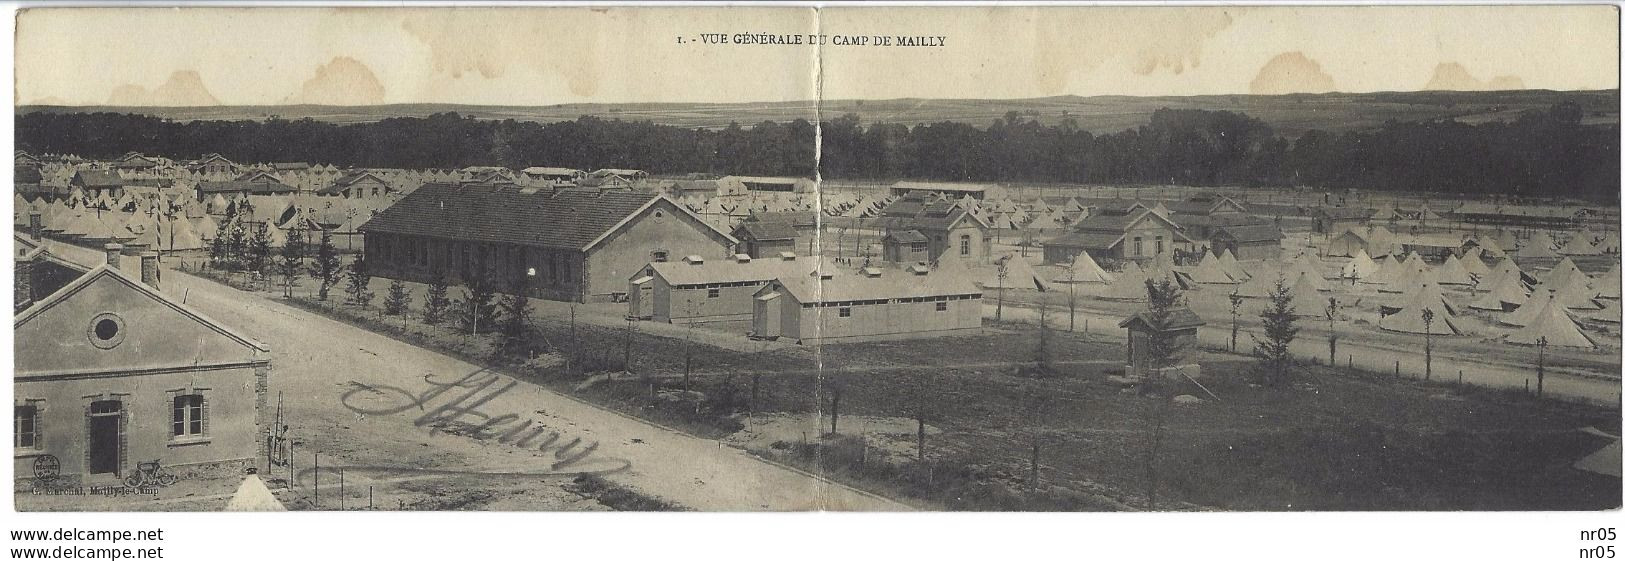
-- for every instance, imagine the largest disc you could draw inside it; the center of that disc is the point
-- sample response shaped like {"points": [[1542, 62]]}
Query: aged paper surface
{"points": [[795, 258]]}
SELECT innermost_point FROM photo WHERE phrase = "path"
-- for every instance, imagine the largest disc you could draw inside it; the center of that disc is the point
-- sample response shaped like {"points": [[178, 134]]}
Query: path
{"points": [[316, 360]]}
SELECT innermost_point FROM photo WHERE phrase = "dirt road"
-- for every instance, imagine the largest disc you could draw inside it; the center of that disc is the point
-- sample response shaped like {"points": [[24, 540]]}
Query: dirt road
{"points": [[395, 413]]}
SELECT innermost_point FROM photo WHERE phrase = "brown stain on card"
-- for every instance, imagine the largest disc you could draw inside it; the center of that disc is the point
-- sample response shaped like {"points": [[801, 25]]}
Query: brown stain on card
{"points": [[1291, 72]]}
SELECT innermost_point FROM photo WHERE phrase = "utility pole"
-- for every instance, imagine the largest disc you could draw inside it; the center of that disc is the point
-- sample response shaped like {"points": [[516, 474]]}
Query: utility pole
{"points": [[1427, 324], [1540, 368]]}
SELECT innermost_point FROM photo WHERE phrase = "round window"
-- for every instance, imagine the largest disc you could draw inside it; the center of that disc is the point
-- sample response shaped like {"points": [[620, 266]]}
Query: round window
{"points": [[660, 216], [106, 331]]}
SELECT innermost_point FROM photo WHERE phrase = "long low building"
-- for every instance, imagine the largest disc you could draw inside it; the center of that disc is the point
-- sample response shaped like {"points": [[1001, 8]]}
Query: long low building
{"points": [[870, 305], [696, 290], [575, 244]]}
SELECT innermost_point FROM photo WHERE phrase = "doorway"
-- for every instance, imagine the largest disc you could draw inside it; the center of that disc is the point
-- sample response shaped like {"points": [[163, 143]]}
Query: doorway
{"points": [[104, 440]]}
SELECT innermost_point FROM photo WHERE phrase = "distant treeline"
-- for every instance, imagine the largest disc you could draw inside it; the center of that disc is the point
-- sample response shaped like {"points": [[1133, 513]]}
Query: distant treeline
{"points": [[1540, 153]]}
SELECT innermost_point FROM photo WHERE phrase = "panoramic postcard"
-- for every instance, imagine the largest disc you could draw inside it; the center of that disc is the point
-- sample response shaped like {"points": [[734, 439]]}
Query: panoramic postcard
{"points": [[794, 258]]}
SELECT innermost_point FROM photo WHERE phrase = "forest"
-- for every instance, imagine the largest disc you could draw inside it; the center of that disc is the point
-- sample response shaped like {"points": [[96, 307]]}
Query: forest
{"points": [[1539, 153]]}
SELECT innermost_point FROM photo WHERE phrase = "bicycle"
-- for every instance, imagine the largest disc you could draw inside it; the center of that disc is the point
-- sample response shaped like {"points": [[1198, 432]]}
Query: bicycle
{"points": [[149, 474]]}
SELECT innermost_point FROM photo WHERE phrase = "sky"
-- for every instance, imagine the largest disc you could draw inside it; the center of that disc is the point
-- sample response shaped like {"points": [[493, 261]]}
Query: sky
{"points": [[549, 56]]}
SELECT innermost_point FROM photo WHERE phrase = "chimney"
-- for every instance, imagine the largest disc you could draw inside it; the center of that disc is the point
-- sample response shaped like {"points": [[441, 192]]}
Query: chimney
{"points": [[35, 224], [149, 269], [113, 250], [24, 282], [741, 258], [871, 272]]}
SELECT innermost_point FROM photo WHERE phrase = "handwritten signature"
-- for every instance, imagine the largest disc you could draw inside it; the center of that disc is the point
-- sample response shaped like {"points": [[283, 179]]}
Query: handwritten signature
{"points": [[459, 402]]}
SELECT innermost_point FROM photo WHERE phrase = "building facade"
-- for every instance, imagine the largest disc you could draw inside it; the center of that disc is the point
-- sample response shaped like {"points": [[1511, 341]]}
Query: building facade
{"points": [[121, 391], [870, 306], [579, 244]]}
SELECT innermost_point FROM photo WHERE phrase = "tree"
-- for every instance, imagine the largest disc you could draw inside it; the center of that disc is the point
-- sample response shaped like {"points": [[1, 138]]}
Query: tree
{"points": [[436, 302], [219, 251], [236, 246], [290, 264], [360, 281], [515, 316], [1274, 351], [1043, 353], [327, 267], [259, 250], [398, 301], [1162, 297], [476, 310]]}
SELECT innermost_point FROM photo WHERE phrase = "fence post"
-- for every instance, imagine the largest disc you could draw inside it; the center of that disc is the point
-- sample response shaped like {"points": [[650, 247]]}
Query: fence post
{"points": [[1396, 370], [341, 488], [1458, 378], [317, 503]]}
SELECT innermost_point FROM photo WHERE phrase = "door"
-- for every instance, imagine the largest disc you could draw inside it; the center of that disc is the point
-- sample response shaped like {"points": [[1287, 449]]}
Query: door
{"points": [[766, 316], [104, 441]]}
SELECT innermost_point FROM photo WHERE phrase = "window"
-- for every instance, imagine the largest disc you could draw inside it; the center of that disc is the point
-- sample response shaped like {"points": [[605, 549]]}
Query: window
{"points": [[1159, 245], [25, 424], [942, 306], [188, 418], [846, 311], [713, 293], [658, 256], [106, 330], [964, 244], [916, 246], [1139, 246]]}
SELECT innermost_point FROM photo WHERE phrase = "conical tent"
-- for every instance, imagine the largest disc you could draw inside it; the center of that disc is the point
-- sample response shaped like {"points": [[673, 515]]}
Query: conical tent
{"points": [[1313, 262], [1538, 246], [1526, 313], [1608, 285], [177, 235], [1554, 326], [1430, 293], [1410, 275], [253, 496], [1508, 294], [1474, 265], [1128, 285], [1228, 260], [1084, 269], [1388, 268], [1017, 273], [1308, 273], [1261, 285], [1209, 271], [1490, 246], [1580, 244], [205, 227], [1304, 288], [1410, 319], [1610, 243], [1361, 266], [1561, 273], [1576, 295], [1453, 272]]}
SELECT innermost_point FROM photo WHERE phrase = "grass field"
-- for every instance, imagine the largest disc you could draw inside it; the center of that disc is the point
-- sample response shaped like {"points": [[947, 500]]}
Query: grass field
{"points": [[1333, 441]]}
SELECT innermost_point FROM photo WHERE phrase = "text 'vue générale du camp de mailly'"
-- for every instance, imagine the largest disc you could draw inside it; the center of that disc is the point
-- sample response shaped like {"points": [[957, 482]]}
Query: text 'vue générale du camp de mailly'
{"points": [[819, 39]]}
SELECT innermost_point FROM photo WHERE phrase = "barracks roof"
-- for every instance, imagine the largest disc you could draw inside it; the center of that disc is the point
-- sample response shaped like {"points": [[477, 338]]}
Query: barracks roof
{"points": [[566, 218]]}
